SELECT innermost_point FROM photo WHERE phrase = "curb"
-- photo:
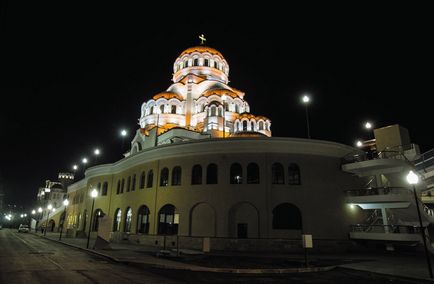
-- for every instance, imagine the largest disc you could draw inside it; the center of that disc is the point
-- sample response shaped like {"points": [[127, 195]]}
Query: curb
{"points": [[203, 268]]}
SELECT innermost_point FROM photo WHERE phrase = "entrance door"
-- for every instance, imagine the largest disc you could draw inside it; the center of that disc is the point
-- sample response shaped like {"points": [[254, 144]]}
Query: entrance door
{"points": [[242, 230]]}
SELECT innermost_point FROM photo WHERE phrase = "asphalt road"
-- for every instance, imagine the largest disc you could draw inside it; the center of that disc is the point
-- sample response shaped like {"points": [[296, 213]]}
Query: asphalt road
{"points": [[26, 258]]}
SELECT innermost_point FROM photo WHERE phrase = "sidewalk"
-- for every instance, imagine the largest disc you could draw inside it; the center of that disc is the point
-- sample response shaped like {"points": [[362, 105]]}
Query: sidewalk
{"points": [[409, 265]]}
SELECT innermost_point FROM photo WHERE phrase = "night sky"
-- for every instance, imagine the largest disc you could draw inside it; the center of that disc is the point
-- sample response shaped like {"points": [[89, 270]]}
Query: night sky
{"points": [[72, 77]]}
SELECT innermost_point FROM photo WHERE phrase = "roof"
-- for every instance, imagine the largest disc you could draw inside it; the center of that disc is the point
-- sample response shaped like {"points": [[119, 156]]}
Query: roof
{"points": [[201, 49], [168, 95]]}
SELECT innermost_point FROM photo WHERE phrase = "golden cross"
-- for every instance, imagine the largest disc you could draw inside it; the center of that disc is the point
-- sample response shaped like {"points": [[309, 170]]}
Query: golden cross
{"points": [[202, 39]]}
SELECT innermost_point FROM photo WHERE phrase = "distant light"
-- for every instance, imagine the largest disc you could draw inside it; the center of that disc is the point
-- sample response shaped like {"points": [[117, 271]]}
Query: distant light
{"points": [[97, 151], [22, 215], [306, 99], [25, 215], [53, 210], [352, 206], [123, 132], [33, 212], [66, 202], [84, 160], [359, 143], [412, 178], [368, 125], [49, 207], [39, 209], [94, 193], [75, 167], [47, 189]]}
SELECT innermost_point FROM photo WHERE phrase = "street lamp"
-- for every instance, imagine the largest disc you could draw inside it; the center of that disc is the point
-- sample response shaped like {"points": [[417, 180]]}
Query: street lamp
{"points": [[93, 194], [359, 143], [306, 100], [413, 179], [123, 133], [224, 116], [368, 125], [33, 212], [97, 153], [49, 207], [66, 203]]}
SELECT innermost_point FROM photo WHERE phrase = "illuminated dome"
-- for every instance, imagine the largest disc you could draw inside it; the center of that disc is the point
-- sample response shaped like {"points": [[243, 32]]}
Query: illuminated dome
{"points": [[202, 61]]}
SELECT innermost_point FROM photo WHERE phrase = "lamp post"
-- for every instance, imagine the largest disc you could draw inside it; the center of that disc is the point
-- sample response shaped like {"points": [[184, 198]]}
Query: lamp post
{"points": [[224, 116], [49, 207], [66, 203], [413, 179], [97, 153], [306, 100], [93, 194]]}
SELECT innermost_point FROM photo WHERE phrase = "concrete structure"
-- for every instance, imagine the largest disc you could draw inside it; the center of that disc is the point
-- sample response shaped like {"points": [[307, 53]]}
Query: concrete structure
{"points": [[201, 165]]}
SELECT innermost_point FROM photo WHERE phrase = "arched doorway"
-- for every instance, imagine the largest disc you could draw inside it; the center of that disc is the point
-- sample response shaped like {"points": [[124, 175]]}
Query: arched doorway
{"points": [[244, 221], [202, 221], [51, 225], [287, 221], [143, 220], [168, 220], [95, 219]]}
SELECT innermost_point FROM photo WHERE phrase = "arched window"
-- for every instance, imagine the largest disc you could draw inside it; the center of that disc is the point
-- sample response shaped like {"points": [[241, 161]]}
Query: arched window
{"points": [[129, 184], [294, 174], [118, 189], [196, 174], [237, 108], [252, 173], [261, 125], [133, 185], [164, 177], [213, 111], [220, 112], [245, 125], [98, 188], [104, 188], [152, 110], [95, 219], [176, 176], [122, 185], [162, 109], [150, 179], [128, 218], [142, 180], [143, 220], [173, 109], [236, 174], [185, 63], [206, 62], [168, 220], [277, 174], [196, 62], [117, 220], [286, 217], [252, 126], [212, 174], [216, 65]]}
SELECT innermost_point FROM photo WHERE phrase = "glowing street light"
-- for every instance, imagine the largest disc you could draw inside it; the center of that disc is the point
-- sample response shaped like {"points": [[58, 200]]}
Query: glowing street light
{"points": [[306, 101], [368, 125], [93, 194], [413, 179], [33, 212], [97, 152], [359, 143], [84, 161]]}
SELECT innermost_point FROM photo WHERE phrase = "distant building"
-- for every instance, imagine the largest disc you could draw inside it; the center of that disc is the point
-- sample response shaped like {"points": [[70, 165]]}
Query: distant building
{"points": [[201, 165]]}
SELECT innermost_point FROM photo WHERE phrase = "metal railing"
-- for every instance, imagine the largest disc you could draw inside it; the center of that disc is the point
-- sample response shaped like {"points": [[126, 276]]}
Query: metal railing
{"points": [[377, 191], [396, 152], [393, 229]]}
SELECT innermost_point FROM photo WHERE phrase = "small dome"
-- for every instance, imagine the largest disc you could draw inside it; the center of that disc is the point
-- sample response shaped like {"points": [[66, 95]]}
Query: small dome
{"points": [[201, 49]]}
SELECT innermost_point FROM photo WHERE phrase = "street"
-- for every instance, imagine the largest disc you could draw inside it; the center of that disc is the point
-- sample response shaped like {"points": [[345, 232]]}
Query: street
{"points": [[26, 258]]}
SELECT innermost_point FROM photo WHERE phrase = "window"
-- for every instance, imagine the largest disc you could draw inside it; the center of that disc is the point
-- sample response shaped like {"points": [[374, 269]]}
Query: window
{"points": [[294, 174], [128, 218], [118, 190], [122, 185], [95, 220], [206, 62], [216, 65], [104, 188], [173, 109], [150, 179], [143, 220], [164, 177], [286, 217], [133, 185], [261, 125], [277, 174], [98, 188], [236, 176], [162, 109], [176, 176], [168, 220], [196, 62], [196, 175], [142, 180], [213, 111], [129, 184], [252, 173], [152, 110], [117, 220], [212, 174], [237, 108], [245, 125]]}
